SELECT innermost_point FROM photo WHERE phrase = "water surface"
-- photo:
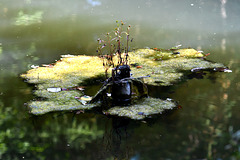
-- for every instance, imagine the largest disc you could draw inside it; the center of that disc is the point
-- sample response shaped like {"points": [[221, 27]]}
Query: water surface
{"points": [[34, 32]]}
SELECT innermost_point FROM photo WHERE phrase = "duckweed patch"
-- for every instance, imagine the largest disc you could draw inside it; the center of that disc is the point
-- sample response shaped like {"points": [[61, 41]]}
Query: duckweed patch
{"points": [[162, 67]]}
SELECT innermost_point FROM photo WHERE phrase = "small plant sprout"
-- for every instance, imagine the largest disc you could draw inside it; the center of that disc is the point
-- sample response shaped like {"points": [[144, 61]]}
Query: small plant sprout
{"points": [[107, 58], [113, 45]]}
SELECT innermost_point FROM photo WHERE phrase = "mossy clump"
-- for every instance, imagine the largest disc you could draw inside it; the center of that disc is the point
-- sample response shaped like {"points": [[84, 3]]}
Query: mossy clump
{"points": [[165, 54], [163, 68], [42, 107], [170, 71], [74, 70], [65, 73], [142, 108], [57, 101]]}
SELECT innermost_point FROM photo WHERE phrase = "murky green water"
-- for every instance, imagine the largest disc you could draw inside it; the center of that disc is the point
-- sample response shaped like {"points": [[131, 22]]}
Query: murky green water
{"points": [[34, 32]]}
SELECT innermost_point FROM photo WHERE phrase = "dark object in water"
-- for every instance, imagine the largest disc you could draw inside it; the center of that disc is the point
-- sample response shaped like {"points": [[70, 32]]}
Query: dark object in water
{"points": [[176, 52], [122, 87], [122, 92], [121, 72]]}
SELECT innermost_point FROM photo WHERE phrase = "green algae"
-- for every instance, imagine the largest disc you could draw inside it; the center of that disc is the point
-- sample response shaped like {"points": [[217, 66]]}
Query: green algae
{"points": [[165, 54], [167, 72], [59, 97], [68, 72], [162, 67], [59, 101], [74, 70], [142, 108], [42, 107]]}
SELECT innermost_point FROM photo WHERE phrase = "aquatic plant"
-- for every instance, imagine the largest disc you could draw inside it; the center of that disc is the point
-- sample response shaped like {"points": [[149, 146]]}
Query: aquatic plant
{"points": [[71, 71], [112, 45]]}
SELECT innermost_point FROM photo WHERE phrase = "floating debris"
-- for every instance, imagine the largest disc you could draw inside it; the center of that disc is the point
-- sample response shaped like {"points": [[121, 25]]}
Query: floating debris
{"points": [[84, 99], [54, 89], [197, 69], [67, 56], [217, 69], [34, 66], [222, 69]]}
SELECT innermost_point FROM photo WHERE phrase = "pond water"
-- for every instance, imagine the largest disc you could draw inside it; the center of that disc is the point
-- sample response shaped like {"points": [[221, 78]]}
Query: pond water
{"points": [[206, 127]]}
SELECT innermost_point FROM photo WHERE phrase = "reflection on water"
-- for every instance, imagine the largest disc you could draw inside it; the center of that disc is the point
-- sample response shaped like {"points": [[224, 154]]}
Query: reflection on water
{"points": [[34, 32], [223, 9], [26, 19], [94, 3]]}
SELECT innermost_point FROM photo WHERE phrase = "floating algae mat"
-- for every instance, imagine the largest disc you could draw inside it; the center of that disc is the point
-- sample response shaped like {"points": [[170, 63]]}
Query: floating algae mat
{"points": [[57, 84], [143, 108]]}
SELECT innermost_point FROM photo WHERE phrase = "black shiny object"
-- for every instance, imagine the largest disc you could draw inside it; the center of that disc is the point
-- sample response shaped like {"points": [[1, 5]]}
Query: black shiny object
{"points": [[121, 89], [121, 72]]}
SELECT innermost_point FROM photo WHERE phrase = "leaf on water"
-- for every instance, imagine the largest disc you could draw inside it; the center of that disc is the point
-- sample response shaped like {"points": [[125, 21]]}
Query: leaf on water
{"points": [[84, 99]]}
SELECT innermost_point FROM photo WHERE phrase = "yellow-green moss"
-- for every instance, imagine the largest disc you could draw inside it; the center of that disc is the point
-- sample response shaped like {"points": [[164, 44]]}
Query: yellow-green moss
{"points": [[42, 107], [165, 54], [143, 108], [72, 71], [164, 67], [68, 72], [166, 72]]}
